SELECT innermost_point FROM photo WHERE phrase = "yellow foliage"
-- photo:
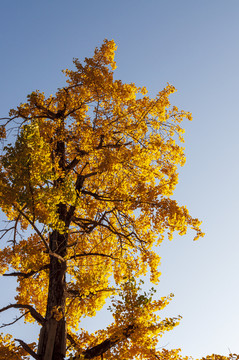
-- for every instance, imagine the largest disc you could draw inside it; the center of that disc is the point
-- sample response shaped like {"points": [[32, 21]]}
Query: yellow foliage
{"points": [[9, 349], [90, 177]]}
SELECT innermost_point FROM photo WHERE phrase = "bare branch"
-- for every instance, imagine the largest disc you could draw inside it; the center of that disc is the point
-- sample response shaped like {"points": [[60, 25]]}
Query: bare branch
{"points": [[35, 314], [35, 228], [76, 293], [9, 119], [92, 254], [91, 174], [96, 196], [15, 231], [28, 274], [13, 322], [5, 231], [73, 164], [113, 146], [42, 237], [28, 349]]}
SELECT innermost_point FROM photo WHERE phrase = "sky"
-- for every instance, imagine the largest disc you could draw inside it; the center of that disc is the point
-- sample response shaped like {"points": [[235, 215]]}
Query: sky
{"points": [[192, 44]]}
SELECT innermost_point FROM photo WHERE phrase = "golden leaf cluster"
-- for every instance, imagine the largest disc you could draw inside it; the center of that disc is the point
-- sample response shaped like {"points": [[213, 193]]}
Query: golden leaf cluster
{"points": [[108, 154]]}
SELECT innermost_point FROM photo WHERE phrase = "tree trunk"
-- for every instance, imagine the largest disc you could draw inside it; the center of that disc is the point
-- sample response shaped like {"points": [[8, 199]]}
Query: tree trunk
{"points": [[52, 342]]}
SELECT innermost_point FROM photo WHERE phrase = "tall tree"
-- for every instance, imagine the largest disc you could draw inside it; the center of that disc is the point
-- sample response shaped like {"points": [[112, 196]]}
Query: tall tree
{"points": [[86, 187]]}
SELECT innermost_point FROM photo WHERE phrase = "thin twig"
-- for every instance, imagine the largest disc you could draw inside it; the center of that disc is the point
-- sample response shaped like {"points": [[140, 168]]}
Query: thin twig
{"points": [[13, 322]]}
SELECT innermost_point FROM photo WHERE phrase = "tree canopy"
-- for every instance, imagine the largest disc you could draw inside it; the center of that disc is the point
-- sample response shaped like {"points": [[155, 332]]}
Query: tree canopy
{"points": [[86, 184]]}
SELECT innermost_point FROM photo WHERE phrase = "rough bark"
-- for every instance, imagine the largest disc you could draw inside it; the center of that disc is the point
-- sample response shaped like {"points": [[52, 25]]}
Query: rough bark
{"points": [[52, 342]]}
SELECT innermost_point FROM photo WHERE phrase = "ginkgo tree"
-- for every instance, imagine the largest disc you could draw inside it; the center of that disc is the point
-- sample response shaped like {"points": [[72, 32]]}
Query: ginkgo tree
{"points": [[86, 184]]}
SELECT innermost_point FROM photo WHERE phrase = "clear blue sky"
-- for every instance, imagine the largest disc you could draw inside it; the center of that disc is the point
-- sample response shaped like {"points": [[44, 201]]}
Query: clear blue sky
{"points": [[193, 44]]}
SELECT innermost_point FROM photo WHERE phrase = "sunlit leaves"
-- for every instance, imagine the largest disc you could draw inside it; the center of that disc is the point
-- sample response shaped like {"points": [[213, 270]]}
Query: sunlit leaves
{"points": [[97, 164]]}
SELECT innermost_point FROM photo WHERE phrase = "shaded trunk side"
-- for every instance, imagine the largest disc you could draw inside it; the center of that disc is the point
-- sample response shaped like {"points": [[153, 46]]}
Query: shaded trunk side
{"points": [[52, 342]]}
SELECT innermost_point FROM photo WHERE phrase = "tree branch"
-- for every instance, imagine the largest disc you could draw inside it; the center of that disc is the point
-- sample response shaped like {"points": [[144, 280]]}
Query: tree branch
{"points": [[28, 349], [72, 341], [40, 235], [92, 254], [107, 344], [35, 314], [34, 227], [28, 274], [73, 164], [14, 321], [76, 293]]}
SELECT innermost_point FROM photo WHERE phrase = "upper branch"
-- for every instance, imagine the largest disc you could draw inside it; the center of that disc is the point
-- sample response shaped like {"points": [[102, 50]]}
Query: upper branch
{"points": [[35, 314]]}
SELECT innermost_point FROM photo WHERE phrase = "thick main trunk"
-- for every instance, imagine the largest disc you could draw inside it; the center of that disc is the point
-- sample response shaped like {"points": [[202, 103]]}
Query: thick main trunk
{"points": [[52, 342]]}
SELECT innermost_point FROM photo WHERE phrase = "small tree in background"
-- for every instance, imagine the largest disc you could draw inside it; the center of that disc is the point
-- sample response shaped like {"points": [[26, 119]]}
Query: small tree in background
{"points": [[87, 188]]}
